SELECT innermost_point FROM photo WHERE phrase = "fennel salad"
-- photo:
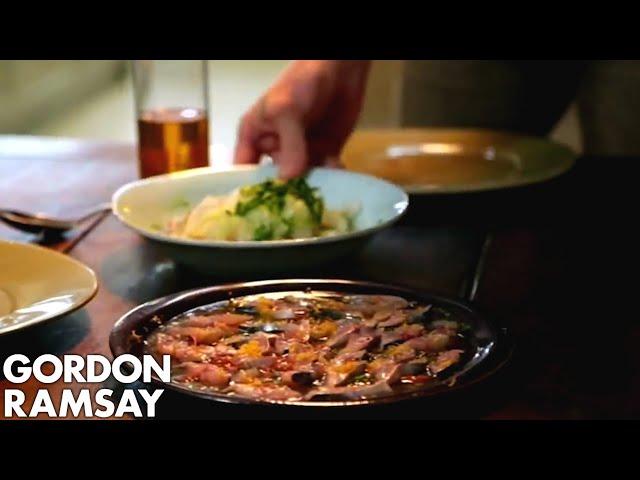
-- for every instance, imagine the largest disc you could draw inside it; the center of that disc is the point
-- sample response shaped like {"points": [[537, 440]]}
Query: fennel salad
{"points": [[271, 210]]}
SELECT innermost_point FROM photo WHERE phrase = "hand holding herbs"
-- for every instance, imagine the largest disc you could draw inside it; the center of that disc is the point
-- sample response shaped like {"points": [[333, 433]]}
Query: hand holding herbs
{"points": [[271, 210]]}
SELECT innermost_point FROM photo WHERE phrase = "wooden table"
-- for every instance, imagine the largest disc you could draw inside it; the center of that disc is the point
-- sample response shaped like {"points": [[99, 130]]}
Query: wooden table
{"points": [[544, 261]]}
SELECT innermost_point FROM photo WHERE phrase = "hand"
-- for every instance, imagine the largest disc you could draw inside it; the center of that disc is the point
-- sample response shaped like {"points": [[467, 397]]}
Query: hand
{"points": [[305, 117]]}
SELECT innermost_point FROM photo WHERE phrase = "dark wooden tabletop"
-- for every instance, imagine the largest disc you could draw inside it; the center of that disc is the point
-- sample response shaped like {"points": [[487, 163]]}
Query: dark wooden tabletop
{"points": [[545, 261]]}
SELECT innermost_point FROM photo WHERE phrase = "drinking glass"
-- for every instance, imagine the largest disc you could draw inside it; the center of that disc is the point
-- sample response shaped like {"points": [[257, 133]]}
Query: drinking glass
{"points": [[171, 99]]}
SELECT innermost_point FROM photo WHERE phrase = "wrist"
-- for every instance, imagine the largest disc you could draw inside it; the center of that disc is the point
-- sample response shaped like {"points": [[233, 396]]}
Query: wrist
{"points": [[349, 65]]}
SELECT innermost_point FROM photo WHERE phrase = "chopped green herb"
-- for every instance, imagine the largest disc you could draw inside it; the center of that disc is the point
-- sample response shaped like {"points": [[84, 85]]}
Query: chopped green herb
{"points": [[288, 222], [263, 232], [272, 194], [301, 189], [362, 378]]}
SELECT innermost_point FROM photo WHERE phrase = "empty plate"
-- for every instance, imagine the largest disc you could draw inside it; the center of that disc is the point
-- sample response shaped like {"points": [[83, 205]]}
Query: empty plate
{"points": [[38, 284], [427, 161]]}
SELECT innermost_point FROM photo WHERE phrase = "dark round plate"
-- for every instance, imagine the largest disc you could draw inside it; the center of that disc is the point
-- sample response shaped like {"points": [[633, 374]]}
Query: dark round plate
{"points": [[488, 344]]}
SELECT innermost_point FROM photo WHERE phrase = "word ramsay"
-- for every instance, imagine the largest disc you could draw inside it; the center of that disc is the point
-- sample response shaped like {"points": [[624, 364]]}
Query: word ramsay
{"points": [[102, 403]]}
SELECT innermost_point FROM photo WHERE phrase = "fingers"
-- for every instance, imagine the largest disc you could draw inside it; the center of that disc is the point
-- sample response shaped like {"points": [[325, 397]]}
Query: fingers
{"points": [[245, 151], [281, 134], [268, 143], [272, 127], [292, 156], [299, 121]]}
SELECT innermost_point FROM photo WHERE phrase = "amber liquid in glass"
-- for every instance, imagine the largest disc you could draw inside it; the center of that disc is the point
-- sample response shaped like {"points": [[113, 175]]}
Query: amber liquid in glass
{"points": [[172, 139]]}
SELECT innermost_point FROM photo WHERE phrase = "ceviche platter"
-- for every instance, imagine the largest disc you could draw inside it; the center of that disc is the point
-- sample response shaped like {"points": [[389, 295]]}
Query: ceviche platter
{"points": [[313, 342]]}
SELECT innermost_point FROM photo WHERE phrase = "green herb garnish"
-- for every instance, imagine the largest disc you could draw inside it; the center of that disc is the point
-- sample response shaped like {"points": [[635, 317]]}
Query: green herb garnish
{"points": [[272, 193], [362, 378], [263, 232], [301, 189], [288, 222]]}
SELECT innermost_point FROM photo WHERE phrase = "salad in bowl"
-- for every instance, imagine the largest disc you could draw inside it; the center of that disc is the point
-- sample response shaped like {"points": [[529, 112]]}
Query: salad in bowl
{"points": [[245, 222], [270, 210]]}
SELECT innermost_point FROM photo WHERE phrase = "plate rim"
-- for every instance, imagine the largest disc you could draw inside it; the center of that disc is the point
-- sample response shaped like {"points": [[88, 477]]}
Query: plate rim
{"points": [[72, 308], [563, 166], [503, 351]]}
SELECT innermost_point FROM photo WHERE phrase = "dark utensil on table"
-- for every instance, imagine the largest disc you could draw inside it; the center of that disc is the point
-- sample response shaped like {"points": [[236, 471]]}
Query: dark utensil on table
{"points": [[46, 225]]}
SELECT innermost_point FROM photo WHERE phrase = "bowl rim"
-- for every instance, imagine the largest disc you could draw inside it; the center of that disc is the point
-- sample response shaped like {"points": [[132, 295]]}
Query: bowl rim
{"points": [[493, 360], [400, 209]]}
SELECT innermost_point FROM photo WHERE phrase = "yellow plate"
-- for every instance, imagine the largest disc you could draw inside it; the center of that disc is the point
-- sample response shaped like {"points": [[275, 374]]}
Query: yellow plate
{"points": [[435, 160], [38, 284]]}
